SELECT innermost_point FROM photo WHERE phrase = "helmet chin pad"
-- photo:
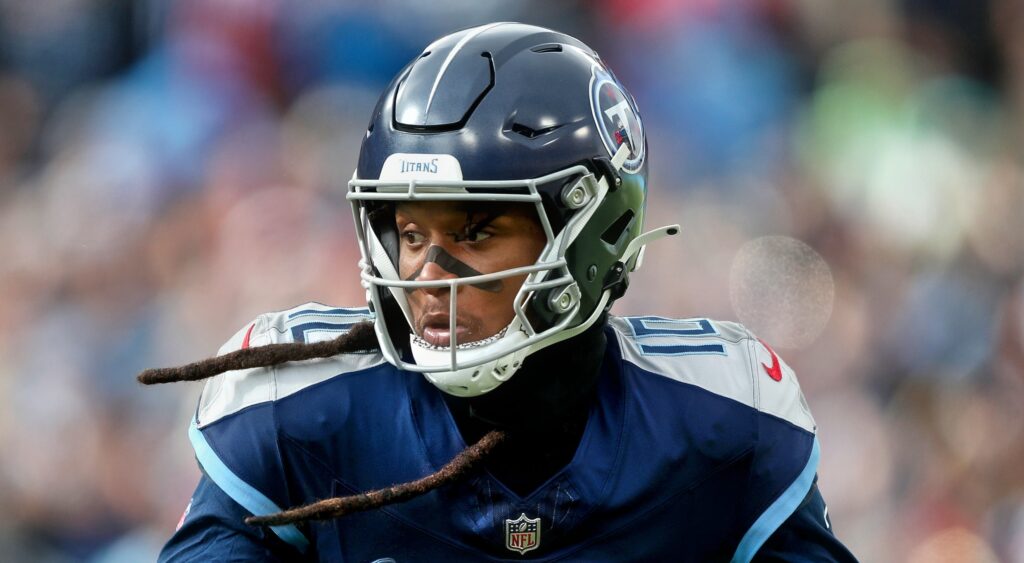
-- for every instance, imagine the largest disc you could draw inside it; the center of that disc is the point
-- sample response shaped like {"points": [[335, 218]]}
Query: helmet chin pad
{"points": [[477, 379]]}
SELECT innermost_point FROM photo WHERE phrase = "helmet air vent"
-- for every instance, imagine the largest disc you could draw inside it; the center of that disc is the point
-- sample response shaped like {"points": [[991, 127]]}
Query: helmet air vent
{"points": [[548, 48], [441, 91], [614, 232], [530, 132]]}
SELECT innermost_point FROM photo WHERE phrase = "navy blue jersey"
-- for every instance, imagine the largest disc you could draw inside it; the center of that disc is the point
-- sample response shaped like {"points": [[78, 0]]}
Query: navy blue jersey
{"points": [[698, 447]]}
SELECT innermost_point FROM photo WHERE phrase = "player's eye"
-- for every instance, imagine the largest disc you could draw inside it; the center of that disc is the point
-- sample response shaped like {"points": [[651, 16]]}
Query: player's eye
{"points": [[475, 232], [476, 236], [413, 237]]}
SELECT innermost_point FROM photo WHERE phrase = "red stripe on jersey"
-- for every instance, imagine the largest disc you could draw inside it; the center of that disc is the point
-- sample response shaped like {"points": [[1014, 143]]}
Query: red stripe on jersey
{"points": [[245, 342], [775, 370]]}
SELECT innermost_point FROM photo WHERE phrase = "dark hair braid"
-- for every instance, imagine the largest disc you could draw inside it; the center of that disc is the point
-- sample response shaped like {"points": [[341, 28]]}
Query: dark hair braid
{"points": [[330, 508], [361, 337]]}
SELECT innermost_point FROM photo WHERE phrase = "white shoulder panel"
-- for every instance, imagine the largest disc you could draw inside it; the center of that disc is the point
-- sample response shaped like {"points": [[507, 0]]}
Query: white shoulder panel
{"points": [[721, 357], [233, 391]]}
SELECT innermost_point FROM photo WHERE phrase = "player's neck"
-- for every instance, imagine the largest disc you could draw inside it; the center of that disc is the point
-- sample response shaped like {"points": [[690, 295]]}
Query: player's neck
{"points": [[544, 407]]}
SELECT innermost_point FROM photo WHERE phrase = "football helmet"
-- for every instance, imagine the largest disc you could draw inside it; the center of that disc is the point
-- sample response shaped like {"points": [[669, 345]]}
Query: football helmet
{"points": [[514, 113]]}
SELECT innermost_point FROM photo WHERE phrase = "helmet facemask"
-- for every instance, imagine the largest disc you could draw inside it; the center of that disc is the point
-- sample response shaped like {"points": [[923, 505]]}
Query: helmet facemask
{"points": [[546, 308]]}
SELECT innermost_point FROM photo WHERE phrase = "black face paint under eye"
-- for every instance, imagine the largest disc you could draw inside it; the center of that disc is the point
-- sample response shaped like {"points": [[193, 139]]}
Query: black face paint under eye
{"points": [[453, 265]]}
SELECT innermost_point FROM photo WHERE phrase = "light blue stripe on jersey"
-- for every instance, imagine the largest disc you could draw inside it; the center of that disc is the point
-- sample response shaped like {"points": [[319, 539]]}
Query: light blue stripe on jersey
{"points": [[779, 511], [243, 493]]}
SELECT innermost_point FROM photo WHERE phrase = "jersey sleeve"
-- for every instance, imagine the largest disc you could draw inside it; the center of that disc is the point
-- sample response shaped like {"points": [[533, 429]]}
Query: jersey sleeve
{"points": [[771, 428], [805, 536], [782, 497], [236, 441], [237, 434], [213, 529]]}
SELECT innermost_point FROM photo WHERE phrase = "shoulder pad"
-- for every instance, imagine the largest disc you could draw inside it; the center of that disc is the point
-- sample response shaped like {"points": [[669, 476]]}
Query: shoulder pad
{"points": [[233, 391], [722, 357]]}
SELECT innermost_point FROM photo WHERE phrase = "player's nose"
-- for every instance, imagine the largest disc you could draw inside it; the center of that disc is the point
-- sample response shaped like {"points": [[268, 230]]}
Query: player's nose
{"points": [[432, 271]]}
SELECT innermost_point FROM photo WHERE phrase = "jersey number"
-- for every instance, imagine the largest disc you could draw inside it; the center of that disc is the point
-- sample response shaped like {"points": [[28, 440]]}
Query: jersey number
{"points": [[299, 331], [650, 327]]}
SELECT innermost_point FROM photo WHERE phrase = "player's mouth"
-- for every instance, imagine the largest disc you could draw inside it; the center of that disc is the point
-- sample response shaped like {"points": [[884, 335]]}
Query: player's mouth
{"points": [[435, 332]]}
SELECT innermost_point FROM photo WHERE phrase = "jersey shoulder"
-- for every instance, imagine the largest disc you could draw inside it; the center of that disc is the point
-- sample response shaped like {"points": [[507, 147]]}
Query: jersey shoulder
{"points": [[234, 391], [721, 357]]}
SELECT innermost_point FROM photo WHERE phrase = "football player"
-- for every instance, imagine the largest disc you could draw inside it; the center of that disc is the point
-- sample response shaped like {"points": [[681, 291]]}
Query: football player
{"points": [[498, 204]]}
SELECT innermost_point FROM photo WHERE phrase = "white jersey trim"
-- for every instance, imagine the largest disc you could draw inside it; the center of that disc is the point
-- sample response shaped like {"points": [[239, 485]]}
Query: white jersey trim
{"points": [[233, 391], [721, 357]]}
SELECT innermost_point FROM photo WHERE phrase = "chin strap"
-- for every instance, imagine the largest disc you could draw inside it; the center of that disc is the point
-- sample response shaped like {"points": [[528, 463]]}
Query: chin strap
{"points": [[615, 280], [637, 245]]}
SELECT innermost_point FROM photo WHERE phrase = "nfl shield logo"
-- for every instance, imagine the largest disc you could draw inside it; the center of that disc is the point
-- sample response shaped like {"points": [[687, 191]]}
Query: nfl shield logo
{"points": [[522, 534]]}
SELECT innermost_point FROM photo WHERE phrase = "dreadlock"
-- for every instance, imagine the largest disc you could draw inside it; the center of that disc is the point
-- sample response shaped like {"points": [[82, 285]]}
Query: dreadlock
{"points": [[361, 337], [330, 508]]}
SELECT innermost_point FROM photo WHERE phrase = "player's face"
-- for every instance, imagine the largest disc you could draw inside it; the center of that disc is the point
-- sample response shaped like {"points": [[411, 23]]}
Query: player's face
{"points": [[445, 240]]}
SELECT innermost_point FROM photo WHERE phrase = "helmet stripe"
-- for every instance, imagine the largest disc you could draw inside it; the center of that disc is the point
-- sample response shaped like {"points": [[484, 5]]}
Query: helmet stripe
{"points": [[451, 55]]}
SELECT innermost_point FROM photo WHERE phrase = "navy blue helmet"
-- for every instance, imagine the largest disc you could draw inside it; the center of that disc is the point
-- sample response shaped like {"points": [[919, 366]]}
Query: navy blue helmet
{"points": [[506, 112]]}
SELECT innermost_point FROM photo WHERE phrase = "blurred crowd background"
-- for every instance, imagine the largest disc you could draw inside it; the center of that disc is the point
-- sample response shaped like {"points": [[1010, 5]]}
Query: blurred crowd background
{"points": [[848, 175]]}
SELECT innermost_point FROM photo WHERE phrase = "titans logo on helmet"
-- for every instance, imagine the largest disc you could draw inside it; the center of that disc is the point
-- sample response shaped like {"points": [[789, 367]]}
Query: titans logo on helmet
{"points": [[617, 119]]}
